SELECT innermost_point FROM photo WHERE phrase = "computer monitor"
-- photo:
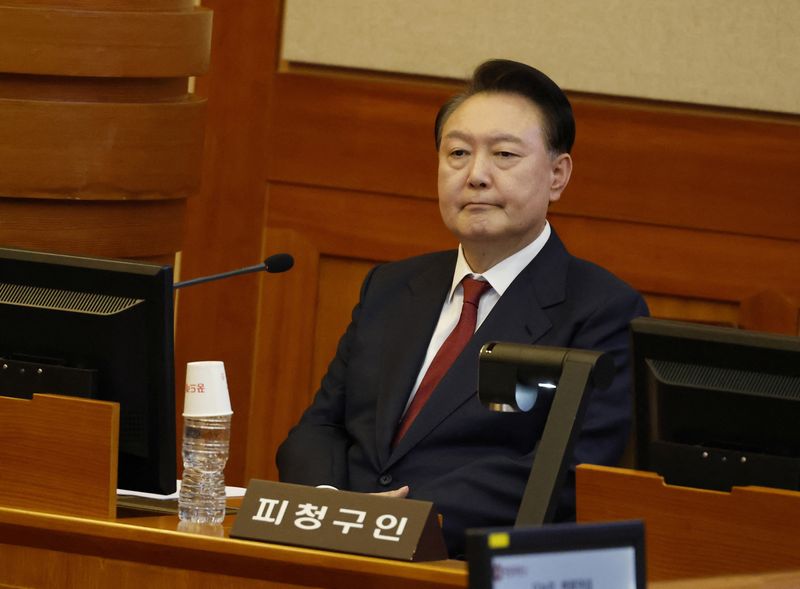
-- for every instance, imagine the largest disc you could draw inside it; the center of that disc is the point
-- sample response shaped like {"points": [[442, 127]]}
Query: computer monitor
{"points": [[101, 329], [579, 556], [716, 407]]}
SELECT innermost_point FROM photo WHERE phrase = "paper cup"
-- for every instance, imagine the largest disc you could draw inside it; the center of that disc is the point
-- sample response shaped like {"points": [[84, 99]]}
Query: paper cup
{"points": [[206, 390]]}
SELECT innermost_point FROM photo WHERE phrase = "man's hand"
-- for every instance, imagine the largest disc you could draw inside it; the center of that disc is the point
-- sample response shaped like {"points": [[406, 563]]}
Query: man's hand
{"points": [[400, 493]]}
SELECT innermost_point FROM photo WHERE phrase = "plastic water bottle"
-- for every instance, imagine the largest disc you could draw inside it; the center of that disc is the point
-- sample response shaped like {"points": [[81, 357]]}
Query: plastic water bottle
{"points": [[205, 451]]}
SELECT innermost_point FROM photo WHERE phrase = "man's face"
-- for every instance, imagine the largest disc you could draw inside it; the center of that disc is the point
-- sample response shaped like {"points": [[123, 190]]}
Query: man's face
{"points": [[496, 175]]}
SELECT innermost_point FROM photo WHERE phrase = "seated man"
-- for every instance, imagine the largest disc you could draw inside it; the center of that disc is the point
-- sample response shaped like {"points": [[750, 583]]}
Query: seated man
{"points": [[397, 410]]}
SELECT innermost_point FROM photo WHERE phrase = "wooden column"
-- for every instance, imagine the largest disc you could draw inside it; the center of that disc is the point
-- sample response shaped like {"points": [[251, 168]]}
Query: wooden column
{"points": [[100, 141], [225, 224]]}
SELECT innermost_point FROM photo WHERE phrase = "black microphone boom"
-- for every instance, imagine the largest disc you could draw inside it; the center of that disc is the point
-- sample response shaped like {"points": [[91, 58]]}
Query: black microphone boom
{"points": [[274, 263]]}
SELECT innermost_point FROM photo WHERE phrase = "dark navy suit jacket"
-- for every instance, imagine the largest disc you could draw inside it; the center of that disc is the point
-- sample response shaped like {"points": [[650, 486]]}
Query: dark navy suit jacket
{"points": [[472, 463]]}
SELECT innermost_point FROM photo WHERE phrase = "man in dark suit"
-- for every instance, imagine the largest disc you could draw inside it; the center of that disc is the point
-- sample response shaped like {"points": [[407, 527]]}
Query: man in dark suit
{"points": [[397, 411]]}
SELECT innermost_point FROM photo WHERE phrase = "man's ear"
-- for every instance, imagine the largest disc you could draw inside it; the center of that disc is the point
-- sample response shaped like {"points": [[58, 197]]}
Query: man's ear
{"points": [[561, 170]]}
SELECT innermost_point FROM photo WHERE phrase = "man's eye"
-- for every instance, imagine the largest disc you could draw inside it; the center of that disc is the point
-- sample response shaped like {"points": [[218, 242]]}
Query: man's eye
{"points": [[458, 152], [506, 154]]}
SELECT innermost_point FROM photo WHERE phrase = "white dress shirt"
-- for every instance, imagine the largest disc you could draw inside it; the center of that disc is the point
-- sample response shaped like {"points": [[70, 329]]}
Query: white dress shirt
{"points": [[500, 276]]}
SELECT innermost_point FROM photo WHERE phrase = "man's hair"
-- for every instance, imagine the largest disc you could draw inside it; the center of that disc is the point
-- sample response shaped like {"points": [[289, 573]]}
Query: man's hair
{"points": [[512, 77]]}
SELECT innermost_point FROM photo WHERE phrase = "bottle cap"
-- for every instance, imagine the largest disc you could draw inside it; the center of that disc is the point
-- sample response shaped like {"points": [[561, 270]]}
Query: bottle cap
{"points": [[206, 390]]}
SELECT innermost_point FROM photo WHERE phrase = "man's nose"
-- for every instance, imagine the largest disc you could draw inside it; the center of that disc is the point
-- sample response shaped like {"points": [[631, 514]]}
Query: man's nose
{"points": [[479, 172]]}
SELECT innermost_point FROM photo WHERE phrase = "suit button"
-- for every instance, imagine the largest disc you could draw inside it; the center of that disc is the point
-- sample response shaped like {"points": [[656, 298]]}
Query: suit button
{"points": [[386, 479]]}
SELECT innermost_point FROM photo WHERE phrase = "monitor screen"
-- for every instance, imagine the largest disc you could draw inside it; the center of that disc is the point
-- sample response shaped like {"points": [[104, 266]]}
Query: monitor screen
{"points": [[716, 407], [100, 329], [578, 556]]}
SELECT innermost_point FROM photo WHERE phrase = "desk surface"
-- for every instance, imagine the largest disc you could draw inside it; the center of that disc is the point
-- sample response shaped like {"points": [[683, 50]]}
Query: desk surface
{"points": [[46, 550], [135, 551]]}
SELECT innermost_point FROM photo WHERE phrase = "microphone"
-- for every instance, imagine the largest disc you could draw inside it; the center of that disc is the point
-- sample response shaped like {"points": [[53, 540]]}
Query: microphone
{"points": [[275, 263]]}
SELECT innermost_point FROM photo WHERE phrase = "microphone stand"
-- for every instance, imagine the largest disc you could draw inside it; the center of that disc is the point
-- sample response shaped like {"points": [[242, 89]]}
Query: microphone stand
{"points": [[275, 263]]}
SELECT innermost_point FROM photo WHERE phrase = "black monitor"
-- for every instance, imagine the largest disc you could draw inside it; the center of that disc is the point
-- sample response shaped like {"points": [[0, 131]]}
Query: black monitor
{"points": [[100, 329], [716, 407], [557, 556]]}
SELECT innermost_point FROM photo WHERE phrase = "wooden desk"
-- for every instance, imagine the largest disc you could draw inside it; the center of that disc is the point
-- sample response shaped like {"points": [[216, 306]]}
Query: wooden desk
{"points": [[47, 550], [696, 532]]}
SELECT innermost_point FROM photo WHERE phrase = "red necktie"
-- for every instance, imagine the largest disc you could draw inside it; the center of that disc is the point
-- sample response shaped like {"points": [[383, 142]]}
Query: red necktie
{"points": [[451, 348]]}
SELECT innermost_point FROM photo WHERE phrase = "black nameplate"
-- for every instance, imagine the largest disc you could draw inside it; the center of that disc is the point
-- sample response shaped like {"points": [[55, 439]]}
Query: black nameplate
{"points": [[341, 521]]}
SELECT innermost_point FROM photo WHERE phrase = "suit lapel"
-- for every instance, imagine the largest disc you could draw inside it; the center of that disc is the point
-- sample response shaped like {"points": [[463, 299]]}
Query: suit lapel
{"points": [[517, 317], [406, 340]]}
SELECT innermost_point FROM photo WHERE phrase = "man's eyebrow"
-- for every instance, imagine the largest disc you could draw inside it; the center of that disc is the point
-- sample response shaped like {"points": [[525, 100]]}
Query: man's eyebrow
{"points": [[500, 137]]}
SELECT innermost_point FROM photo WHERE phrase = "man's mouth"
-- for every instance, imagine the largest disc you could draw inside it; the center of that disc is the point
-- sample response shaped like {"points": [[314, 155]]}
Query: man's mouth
{"points": [[479, 205]]}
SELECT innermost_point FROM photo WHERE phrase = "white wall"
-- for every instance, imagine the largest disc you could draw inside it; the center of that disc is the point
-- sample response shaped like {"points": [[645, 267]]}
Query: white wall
{"points": [[736, 53]]}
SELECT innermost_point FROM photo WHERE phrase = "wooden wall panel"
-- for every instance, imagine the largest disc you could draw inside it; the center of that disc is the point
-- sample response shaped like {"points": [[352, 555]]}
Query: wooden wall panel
{"points": [[284, 351], [115, 229], [99, 150], [94, 106], [356, 133], [224, 222], [679, 261], [656, 259], [772, 310], [92, 41], [685, 167], [388, 227], [677, 308]]}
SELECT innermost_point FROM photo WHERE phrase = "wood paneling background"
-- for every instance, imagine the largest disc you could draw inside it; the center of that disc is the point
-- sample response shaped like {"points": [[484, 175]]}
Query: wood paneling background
{"points": [[697, 208], [100, 141]]}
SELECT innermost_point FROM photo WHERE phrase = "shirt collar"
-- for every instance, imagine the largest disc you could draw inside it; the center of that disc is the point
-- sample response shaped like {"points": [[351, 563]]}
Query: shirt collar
{"points": [[501, 275]]}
